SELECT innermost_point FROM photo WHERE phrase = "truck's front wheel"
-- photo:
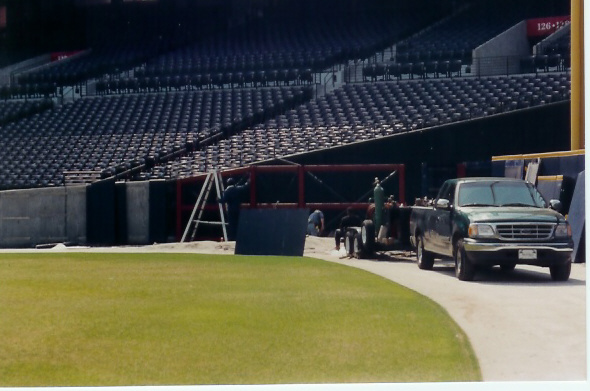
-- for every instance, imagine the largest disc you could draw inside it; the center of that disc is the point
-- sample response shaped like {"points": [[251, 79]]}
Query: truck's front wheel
{"points": [[425, 259], [464, 269], [560, 272]]}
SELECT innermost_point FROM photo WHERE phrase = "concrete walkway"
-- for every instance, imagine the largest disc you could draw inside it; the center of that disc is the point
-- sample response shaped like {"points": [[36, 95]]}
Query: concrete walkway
{"points": [[522, 325]]}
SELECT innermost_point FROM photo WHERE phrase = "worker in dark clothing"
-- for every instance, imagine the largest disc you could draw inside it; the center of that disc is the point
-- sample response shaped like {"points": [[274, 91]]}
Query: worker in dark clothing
{"points": [[350, 220], [232, 197]]}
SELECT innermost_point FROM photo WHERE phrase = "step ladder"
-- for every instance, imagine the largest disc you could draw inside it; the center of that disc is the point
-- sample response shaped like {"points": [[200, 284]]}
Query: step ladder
{"points": [[213, 179]]}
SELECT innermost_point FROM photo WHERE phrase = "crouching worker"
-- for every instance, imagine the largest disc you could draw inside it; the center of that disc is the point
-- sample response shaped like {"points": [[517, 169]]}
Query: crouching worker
{"points": [[315, 223], [350, 220]]}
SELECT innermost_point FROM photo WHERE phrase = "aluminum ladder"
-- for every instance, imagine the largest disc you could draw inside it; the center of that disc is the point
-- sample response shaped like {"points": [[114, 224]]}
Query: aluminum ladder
{"points": [[213, 179]]}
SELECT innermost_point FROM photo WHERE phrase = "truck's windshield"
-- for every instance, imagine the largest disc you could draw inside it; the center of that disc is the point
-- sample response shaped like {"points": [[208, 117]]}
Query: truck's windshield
{"points": [[499, 193]]}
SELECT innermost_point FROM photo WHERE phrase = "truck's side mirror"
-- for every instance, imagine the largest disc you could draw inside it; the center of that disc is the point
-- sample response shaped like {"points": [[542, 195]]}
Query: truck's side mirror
{"points": [[556, 205], [443, 203]]}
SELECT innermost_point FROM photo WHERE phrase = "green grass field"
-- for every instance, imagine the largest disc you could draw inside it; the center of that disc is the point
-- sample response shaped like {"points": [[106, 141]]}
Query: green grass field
{"points": [[98, 319]]}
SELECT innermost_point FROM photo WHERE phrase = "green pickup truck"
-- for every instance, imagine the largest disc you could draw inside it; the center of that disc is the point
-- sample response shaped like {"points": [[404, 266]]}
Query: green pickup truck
{"points": [[483, 222]]}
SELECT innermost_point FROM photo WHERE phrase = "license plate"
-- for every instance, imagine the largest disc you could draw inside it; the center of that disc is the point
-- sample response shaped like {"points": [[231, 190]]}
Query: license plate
{"points": [[527, 254]]}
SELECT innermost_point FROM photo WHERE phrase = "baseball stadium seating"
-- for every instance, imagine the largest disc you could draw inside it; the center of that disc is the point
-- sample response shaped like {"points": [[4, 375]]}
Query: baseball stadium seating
{"points": [[205, 96], [366, 111]]}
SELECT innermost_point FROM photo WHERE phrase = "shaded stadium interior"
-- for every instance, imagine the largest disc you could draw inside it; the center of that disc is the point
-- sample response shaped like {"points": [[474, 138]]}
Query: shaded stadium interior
{"points": [[124, 91]]}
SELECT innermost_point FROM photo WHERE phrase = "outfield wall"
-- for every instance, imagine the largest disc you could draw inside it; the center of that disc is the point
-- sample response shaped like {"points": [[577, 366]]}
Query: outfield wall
{"points": [[39, 216], [137, 216], [104, 213], [140, 212]]}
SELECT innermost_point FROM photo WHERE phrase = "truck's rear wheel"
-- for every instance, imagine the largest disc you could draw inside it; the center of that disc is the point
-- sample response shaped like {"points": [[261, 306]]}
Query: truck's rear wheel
{"points": [[464, 269], [560, 272], [425, 259]]}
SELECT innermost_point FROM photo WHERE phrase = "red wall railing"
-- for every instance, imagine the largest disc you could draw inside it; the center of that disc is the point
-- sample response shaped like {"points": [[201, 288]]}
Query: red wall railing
{"points": [[300, 170]]}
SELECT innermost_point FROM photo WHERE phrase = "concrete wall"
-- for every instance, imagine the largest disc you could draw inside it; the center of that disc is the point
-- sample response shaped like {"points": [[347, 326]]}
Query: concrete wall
{"points": [[41, 216], [5, 73], [85, 215], [138, 216], [501, 54], [143, 209]]}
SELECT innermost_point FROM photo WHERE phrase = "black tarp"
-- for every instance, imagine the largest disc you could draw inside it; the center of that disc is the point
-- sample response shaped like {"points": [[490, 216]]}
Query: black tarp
{"points": [[100, 213], [272, 232]]}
